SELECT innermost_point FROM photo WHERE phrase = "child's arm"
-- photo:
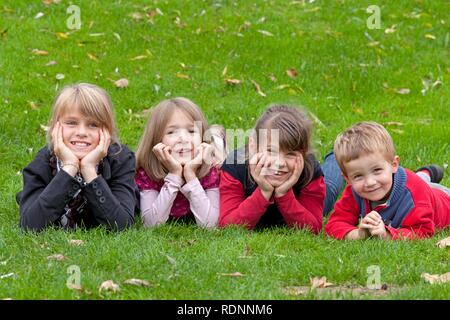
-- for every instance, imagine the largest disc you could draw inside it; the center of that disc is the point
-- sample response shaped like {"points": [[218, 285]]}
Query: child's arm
{"points": [[42, 201], [235, 208], [343, 222], [156, 206], [417, 224], [112, 202], [204, 204]]}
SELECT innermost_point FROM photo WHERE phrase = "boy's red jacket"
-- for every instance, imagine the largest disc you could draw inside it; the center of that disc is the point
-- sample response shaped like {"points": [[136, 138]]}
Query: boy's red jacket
{"points": [[413, 210]]}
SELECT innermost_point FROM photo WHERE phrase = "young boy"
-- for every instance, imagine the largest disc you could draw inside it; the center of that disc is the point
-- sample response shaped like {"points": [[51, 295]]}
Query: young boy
{"points": [[392, 202]]}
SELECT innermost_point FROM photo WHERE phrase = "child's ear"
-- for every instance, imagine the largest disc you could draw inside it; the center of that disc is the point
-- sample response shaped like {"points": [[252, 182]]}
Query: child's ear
{"points": [[395, 164], [345, 178]]}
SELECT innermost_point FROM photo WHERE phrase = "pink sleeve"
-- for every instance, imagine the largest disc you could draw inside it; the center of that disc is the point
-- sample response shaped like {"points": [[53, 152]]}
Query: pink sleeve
{"points": [[156, 206], [204, 204]]}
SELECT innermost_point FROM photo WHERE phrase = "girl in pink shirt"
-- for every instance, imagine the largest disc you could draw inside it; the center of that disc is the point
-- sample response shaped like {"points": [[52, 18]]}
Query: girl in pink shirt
{"points": [[177, 160]]}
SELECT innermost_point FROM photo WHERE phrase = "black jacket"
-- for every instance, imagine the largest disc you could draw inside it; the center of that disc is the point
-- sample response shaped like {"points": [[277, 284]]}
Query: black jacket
{"points": [[111, 197]]}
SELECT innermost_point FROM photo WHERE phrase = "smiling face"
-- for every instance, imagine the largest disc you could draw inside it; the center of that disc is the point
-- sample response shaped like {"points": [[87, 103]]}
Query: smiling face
{"points": [[182, 135], [80, 134], [282, 162], [371, 175]]}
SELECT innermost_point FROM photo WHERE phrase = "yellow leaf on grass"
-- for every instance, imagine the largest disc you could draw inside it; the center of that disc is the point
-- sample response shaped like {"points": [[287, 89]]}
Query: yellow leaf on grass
{"points": [[139, 58], [292, 72], [258, 89], [40, 52], [182, 76], [233, 81], [430, 36], [58, 257], [92, 57], [265, 33], [121, 83], [62, 35]]}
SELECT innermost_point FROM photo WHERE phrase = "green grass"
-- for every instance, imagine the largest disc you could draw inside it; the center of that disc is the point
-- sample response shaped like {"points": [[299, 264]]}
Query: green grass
{"points": [[344, 76]]}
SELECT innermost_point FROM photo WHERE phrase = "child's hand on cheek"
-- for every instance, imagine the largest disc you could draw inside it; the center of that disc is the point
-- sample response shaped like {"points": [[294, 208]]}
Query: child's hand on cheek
{"points": [[292, 180], [257, 163], [163, 154], [191, 167], [91, 160], [70, 162]]}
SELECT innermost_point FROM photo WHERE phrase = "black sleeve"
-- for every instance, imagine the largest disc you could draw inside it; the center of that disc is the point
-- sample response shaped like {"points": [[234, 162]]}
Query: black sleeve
{"points": [[112, 201], [43, 197]]}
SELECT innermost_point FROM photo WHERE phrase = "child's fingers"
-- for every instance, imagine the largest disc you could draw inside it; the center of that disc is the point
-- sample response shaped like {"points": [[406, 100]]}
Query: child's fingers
{"points": [[371, 220], [365, 225], [260, 165]]}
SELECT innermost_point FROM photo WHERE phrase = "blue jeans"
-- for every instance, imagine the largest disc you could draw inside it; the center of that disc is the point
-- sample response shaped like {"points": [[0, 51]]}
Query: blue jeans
{"points": [[334, 181]]}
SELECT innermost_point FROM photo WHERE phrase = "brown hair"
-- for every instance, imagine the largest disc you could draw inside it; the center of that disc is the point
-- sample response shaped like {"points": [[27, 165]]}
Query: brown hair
{"points": [[92, 101], [360, 139], [154, 131], [294, 130]]}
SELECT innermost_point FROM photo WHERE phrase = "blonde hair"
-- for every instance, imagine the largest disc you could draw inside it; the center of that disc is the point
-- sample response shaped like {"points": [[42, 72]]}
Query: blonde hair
{"points": [[92, 101], [294, 130], [154, 132], [361, 139]]}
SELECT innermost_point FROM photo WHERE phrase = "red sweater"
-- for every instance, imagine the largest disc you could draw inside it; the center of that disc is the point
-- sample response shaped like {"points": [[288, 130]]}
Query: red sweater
{"points": [[413, 210], [305, 211]]}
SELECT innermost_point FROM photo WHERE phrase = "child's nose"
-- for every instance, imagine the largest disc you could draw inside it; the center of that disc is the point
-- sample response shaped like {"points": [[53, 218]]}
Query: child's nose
{"points": [[82, 129], [370, 181]]}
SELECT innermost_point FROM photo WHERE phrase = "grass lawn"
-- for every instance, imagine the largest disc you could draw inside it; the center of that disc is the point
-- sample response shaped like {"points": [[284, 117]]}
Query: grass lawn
{"points": [[342, 71]]}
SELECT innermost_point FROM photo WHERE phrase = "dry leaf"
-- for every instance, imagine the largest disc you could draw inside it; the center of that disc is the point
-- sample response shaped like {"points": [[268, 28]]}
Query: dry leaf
{"points": [[60, 76], [235, 274], [40, 52], [109, 285], [92, 57], [292, 72], [139, 58], [436, 278], [390, 30], [73, 286], [182, 76], [258, 89], [265, 33], [317, 282], [76, 242], [444, 243], [57, 256], [33, 105], [403, 91], [121, 83], [272, 77], [137, 282], [233, 81], [62, 35], [430, 36], [51, 63]]}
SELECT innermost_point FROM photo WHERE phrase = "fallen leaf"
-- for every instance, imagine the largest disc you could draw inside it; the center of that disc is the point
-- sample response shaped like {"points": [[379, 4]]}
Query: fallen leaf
{"points": [[390, 30], [234, 274], [265, 33], [92, 57], [436, 278], [58, 257], [317, 282], [33, 105], [137, 282], [62, 35], [59, 76], [292, 72], [51, 63], [258, 89], [182, 76], [224, 71], [444, 243], [272, 77], [73, 286], [76, 242], [139, 58], [40, 52], [7, 275], [403, 91], [430, 36], [109, 285], [39, 15], [121, 83], [233, 81]]}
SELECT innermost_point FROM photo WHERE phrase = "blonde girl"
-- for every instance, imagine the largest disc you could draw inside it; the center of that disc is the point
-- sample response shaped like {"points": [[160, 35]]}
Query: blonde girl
{"points": [[177, 160], [84, 176]]}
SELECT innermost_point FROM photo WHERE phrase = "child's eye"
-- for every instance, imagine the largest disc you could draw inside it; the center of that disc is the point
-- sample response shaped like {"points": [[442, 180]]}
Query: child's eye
{"points": [[70, 122], [93, 125]]}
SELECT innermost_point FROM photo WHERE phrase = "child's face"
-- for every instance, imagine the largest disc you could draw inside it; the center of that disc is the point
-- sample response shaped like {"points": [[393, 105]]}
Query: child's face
{"points": [[182, 136], [80, 134], [282, 162], [371, 175]]}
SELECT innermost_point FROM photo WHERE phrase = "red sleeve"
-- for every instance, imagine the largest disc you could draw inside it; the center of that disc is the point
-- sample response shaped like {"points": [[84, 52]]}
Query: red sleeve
{"points": [[306, 210], [417, 224], [235, 208], [345, 216]]}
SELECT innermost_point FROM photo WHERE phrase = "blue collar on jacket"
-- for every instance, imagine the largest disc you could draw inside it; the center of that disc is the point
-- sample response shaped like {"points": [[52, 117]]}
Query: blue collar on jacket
{"points": [[398, 205]]}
